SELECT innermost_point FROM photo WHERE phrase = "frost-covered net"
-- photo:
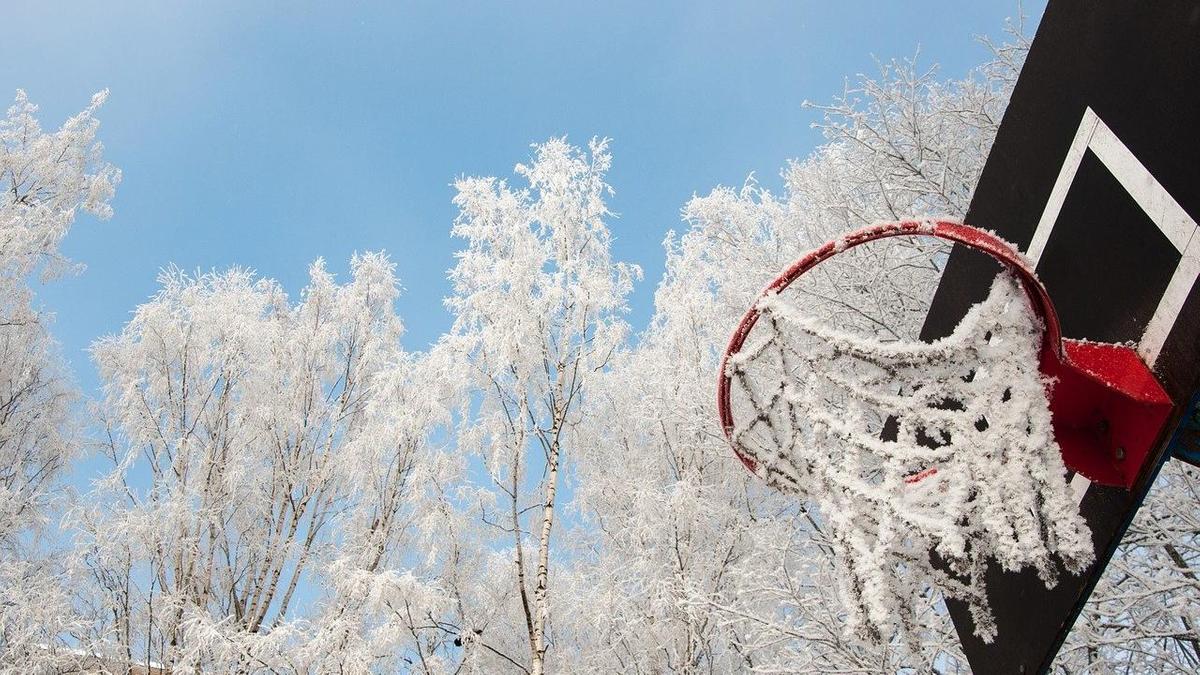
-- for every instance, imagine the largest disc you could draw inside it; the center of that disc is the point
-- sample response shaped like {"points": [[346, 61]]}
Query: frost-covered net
{"points": [[909, 448]]}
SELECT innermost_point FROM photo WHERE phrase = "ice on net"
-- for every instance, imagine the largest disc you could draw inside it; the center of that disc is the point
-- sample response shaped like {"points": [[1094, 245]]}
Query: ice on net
{"points": [[925, 460]]}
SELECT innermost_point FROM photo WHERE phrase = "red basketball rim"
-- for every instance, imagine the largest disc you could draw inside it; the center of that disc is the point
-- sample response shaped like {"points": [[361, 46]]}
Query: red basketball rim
{"points": [[972, 237]]}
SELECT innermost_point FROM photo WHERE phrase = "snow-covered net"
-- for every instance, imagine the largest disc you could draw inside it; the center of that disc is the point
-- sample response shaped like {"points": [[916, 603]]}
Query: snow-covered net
{"points": [[924, 459]]}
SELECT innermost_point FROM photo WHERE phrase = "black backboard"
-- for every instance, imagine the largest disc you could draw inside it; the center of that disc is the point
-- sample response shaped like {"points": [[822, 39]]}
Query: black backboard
{"points": [[1095, 174]]}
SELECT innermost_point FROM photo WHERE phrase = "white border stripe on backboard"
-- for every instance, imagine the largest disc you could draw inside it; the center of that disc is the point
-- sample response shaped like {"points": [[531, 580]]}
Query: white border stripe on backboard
{"points": [[1066, 175]]}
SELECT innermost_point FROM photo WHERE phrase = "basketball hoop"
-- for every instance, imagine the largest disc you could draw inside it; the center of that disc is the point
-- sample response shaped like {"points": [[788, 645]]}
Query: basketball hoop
{"points": [[958, 447]]}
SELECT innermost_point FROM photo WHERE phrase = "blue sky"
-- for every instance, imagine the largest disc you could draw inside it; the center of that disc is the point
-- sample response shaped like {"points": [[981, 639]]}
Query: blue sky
{"points": [[268, 134]]}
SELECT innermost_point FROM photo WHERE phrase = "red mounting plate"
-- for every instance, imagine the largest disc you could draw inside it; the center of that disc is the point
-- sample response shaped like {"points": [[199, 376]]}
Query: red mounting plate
{"points": [[1108, 409]]}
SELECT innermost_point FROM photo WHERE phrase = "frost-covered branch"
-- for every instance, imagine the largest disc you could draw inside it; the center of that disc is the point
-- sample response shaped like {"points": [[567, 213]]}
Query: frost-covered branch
{"points": [[46, 180]]}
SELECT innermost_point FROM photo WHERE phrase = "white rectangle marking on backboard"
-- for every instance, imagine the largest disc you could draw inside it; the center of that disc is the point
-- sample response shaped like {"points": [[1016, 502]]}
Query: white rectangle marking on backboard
{"points": [[1163, 210]]}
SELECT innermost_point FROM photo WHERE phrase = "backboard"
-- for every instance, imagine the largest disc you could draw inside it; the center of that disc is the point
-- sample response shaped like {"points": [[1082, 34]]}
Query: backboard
{"points": [[1095, 176]]}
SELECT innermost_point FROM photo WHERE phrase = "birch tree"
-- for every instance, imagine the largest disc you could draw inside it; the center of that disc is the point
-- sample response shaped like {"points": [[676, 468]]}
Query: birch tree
{"points": [[251, 443], [47, 179], [387, 608], [537, 306]]}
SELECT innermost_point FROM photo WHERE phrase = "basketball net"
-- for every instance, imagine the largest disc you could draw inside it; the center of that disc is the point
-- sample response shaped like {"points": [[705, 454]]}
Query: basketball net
{"points": [[924, 460]]}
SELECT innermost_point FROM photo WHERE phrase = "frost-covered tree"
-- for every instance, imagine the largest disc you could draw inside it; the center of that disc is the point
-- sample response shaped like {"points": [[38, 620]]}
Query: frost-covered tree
{"points": [[46, 180], [388, 601], [259, 447], [537, 306]]}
